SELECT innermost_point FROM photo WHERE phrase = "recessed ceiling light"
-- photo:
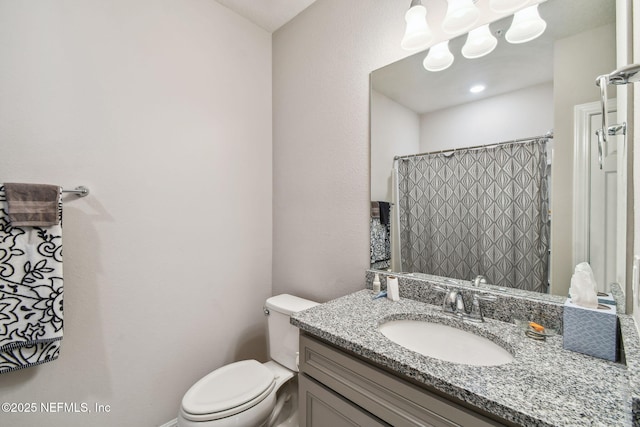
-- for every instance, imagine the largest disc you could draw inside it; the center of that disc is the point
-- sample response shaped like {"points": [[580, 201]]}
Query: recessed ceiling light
{"points": [[477, 88]]}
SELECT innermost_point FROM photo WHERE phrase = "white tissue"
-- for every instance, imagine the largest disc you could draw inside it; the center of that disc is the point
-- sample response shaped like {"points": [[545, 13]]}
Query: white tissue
{"points": [[584, 266], [584, 290]]}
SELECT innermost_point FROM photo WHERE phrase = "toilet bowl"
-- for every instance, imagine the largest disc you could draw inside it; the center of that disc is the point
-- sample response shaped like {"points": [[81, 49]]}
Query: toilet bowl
{"points": [[249, 393]]}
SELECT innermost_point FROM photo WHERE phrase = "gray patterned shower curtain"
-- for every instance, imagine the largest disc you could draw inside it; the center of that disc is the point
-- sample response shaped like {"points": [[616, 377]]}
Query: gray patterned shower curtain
{"points": [[478, 211]]}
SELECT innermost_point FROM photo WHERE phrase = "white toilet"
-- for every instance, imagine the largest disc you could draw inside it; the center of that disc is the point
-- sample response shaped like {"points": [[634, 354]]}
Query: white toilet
{"points": [[249, 393]]}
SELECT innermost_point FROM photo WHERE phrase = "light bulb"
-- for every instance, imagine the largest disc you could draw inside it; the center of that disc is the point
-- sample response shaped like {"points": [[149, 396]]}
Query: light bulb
{"points": [[439, 57], [461, 16], [417, 34], [526, 26], [480, 42]]}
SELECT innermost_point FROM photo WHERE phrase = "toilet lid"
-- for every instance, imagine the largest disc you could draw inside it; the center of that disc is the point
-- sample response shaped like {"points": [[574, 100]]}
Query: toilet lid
{"points": [[228, 387]]}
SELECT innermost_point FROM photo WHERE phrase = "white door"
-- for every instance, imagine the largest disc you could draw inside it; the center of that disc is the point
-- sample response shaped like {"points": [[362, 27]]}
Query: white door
{"points": [[603, 205]]}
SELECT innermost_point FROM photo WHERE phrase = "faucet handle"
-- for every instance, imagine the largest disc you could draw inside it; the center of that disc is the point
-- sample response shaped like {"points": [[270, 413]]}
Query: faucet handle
{"points": [[476, 311], [444, 291], [438, 288]]}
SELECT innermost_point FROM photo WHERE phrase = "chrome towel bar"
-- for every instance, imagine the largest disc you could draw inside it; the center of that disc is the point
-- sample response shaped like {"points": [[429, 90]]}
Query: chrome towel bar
{"points": [[80, 191]]}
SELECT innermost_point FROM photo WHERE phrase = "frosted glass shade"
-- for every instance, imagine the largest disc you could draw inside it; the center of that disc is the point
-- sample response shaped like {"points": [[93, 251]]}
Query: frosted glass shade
{"points": [[439, 57], [461, 16], [506, 6], [526, 26], [480, 42], [417, 34]]}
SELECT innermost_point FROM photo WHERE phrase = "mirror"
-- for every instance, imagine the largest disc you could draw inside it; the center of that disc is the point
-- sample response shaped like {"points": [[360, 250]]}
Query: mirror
{"points": [[531, 89]]}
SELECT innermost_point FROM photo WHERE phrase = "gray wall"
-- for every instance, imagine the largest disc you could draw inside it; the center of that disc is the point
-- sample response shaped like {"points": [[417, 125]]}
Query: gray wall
{"points": [[321, 66]]}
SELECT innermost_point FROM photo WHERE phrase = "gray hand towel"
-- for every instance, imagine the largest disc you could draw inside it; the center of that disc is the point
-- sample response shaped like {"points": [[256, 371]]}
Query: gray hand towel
{"points": [[375, 210], [33, 205]]}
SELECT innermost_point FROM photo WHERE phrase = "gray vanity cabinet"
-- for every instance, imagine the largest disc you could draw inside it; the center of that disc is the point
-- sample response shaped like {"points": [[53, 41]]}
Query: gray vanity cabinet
{"points": [[338, 389], [322, 407]]}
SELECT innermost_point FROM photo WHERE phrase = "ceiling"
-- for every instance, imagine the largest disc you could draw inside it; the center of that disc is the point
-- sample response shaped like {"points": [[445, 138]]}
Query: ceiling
{"points": [[268, 14]]}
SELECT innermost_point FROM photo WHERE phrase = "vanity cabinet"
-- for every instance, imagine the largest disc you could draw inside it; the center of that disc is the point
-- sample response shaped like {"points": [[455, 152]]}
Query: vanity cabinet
{"points": [[338, 389]]}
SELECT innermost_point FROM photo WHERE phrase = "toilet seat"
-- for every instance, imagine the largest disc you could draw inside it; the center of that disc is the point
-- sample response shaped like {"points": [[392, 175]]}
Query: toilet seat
{"points": [[227, 391]]}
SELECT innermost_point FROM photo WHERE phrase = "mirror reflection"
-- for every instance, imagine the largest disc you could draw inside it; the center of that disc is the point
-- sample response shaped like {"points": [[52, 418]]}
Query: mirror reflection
{"points": [[477, 182]]}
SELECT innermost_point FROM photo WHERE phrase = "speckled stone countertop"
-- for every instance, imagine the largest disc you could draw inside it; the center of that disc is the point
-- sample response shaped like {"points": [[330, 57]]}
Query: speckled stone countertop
{"points": [[545, 385]]}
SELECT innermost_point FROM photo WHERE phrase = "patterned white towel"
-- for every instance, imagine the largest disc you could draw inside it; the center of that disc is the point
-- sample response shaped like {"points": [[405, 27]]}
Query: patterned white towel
{"points": [[30, 292]]}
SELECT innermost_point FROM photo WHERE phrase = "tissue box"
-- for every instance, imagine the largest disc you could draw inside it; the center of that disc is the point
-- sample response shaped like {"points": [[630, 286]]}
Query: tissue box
{"points": [[591, 331], [606, 299]]}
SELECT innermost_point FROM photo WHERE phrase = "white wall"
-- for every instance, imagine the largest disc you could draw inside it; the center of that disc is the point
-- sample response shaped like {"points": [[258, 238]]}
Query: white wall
{"points": [[519, 114], [163, 109], [395, 131], [574, 79]]}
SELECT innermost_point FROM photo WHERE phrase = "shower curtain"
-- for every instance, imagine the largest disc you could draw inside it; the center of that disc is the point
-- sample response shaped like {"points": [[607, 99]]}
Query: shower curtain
{"points": [[478, 211]]}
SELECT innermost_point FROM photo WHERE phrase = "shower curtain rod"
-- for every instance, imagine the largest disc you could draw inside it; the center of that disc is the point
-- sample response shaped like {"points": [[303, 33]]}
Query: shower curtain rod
{"points": [[548, 135]]}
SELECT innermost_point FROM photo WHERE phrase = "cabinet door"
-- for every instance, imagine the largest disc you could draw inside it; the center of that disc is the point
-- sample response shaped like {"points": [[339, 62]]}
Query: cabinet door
{"points": [[320, 407]]}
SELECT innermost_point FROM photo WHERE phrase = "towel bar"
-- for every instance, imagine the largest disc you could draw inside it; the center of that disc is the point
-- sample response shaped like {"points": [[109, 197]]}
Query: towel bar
{"points": [[80, 191]]}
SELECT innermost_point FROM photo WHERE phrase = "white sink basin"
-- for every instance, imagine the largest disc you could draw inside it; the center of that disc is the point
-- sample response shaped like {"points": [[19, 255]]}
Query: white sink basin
{"points": [[445, 343]]}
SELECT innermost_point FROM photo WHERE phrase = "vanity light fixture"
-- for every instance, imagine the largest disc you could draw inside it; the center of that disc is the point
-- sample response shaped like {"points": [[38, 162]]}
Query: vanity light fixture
{"points": [[477, 88], [526, 26], [480, 42], [417, 35], [461, 16], [439, 57], [506, 6]]}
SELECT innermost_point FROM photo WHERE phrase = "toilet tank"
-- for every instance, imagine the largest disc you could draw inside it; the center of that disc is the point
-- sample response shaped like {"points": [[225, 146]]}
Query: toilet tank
{"points": [[282, 335]]}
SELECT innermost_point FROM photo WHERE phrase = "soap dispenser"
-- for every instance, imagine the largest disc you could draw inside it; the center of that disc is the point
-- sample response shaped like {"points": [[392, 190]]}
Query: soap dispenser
{"points": [[376, 284]]}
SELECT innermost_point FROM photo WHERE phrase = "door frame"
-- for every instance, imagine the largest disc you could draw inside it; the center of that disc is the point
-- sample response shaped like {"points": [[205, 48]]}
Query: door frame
{"points": [[581, 175]]}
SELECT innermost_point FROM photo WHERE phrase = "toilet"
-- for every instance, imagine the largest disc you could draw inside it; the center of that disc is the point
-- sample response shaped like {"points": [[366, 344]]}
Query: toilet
{"points": [[249, 393]]}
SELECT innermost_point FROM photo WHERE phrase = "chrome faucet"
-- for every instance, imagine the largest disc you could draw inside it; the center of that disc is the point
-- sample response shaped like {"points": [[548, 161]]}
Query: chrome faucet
{"points": [[453, 304]]}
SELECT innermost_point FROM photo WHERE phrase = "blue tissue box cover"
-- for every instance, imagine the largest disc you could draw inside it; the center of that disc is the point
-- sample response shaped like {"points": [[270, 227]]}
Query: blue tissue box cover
{"points": [[591, 331]]}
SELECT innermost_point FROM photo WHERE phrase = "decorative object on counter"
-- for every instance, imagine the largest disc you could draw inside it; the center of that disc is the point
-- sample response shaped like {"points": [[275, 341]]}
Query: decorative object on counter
{"points": [[393, 291], [534, 330], [376, 283], [31, 291]]}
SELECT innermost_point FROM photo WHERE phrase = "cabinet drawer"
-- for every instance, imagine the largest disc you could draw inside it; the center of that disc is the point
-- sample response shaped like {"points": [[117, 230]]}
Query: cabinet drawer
{"points": [[320, 407], [396, 401]]}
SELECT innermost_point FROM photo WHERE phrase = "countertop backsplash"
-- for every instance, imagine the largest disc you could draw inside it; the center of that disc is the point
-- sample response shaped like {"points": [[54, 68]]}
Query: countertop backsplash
{"points": [[512, 304]]}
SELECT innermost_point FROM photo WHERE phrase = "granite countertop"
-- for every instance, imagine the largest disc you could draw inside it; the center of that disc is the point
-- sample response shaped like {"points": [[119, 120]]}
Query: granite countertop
{"points": [[545, 385]]}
